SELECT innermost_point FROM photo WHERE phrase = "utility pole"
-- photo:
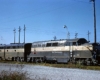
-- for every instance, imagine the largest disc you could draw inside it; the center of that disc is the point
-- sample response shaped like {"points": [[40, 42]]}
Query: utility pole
{"points": [[94, 20], [19, 33], [67, 31], [24, 33], [68, 35], [76, 35], [88, 36], [14, 34], [55, 37]]}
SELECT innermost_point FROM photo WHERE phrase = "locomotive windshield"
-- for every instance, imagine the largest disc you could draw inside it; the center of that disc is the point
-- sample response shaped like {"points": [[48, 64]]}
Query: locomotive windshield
{"points": [[77, 41], [81, 41]]}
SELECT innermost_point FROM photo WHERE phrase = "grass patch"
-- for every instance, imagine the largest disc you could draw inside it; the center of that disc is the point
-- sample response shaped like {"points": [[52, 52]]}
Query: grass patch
{"points": [[69, 65]]}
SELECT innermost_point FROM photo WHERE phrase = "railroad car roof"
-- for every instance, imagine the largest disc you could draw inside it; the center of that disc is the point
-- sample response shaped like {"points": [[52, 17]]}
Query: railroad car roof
{"points": [[62, 40], [20, 44]]}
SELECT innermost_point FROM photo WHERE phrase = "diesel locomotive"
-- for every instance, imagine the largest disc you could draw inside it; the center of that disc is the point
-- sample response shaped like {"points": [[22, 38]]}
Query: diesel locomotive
{"points": [[77, 50]]}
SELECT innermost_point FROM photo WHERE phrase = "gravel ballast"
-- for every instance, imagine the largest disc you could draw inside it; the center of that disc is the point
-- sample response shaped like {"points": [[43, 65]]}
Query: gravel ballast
{"points": [[50, 73]]}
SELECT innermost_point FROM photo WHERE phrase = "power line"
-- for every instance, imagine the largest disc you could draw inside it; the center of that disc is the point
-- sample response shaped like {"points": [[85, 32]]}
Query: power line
{"points": [[42, 12], [82, 1]]}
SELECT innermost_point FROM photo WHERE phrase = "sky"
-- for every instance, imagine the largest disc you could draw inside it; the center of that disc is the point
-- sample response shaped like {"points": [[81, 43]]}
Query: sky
{"points": [[45, 19]]}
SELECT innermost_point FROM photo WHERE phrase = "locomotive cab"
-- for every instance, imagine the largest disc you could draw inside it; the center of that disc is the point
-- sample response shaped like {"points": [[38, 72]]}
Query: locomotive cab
{"points": [[81, 50]]}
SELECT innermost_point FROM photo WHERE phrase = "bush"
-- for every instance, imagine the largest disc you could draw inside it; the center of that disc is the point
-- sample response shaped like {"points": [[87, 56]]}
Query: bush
{"points": [[17, 74], [13, 75]]}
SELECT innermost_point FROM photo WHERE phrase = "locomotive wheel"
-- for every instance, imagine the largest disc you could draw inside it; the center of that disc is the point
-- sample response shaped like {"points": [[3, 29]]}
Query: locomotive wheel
{"points": [[21, 60], [12, 58], [40, 60], [0, 58], [56, 62], [87, 62], [36, 61]]}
